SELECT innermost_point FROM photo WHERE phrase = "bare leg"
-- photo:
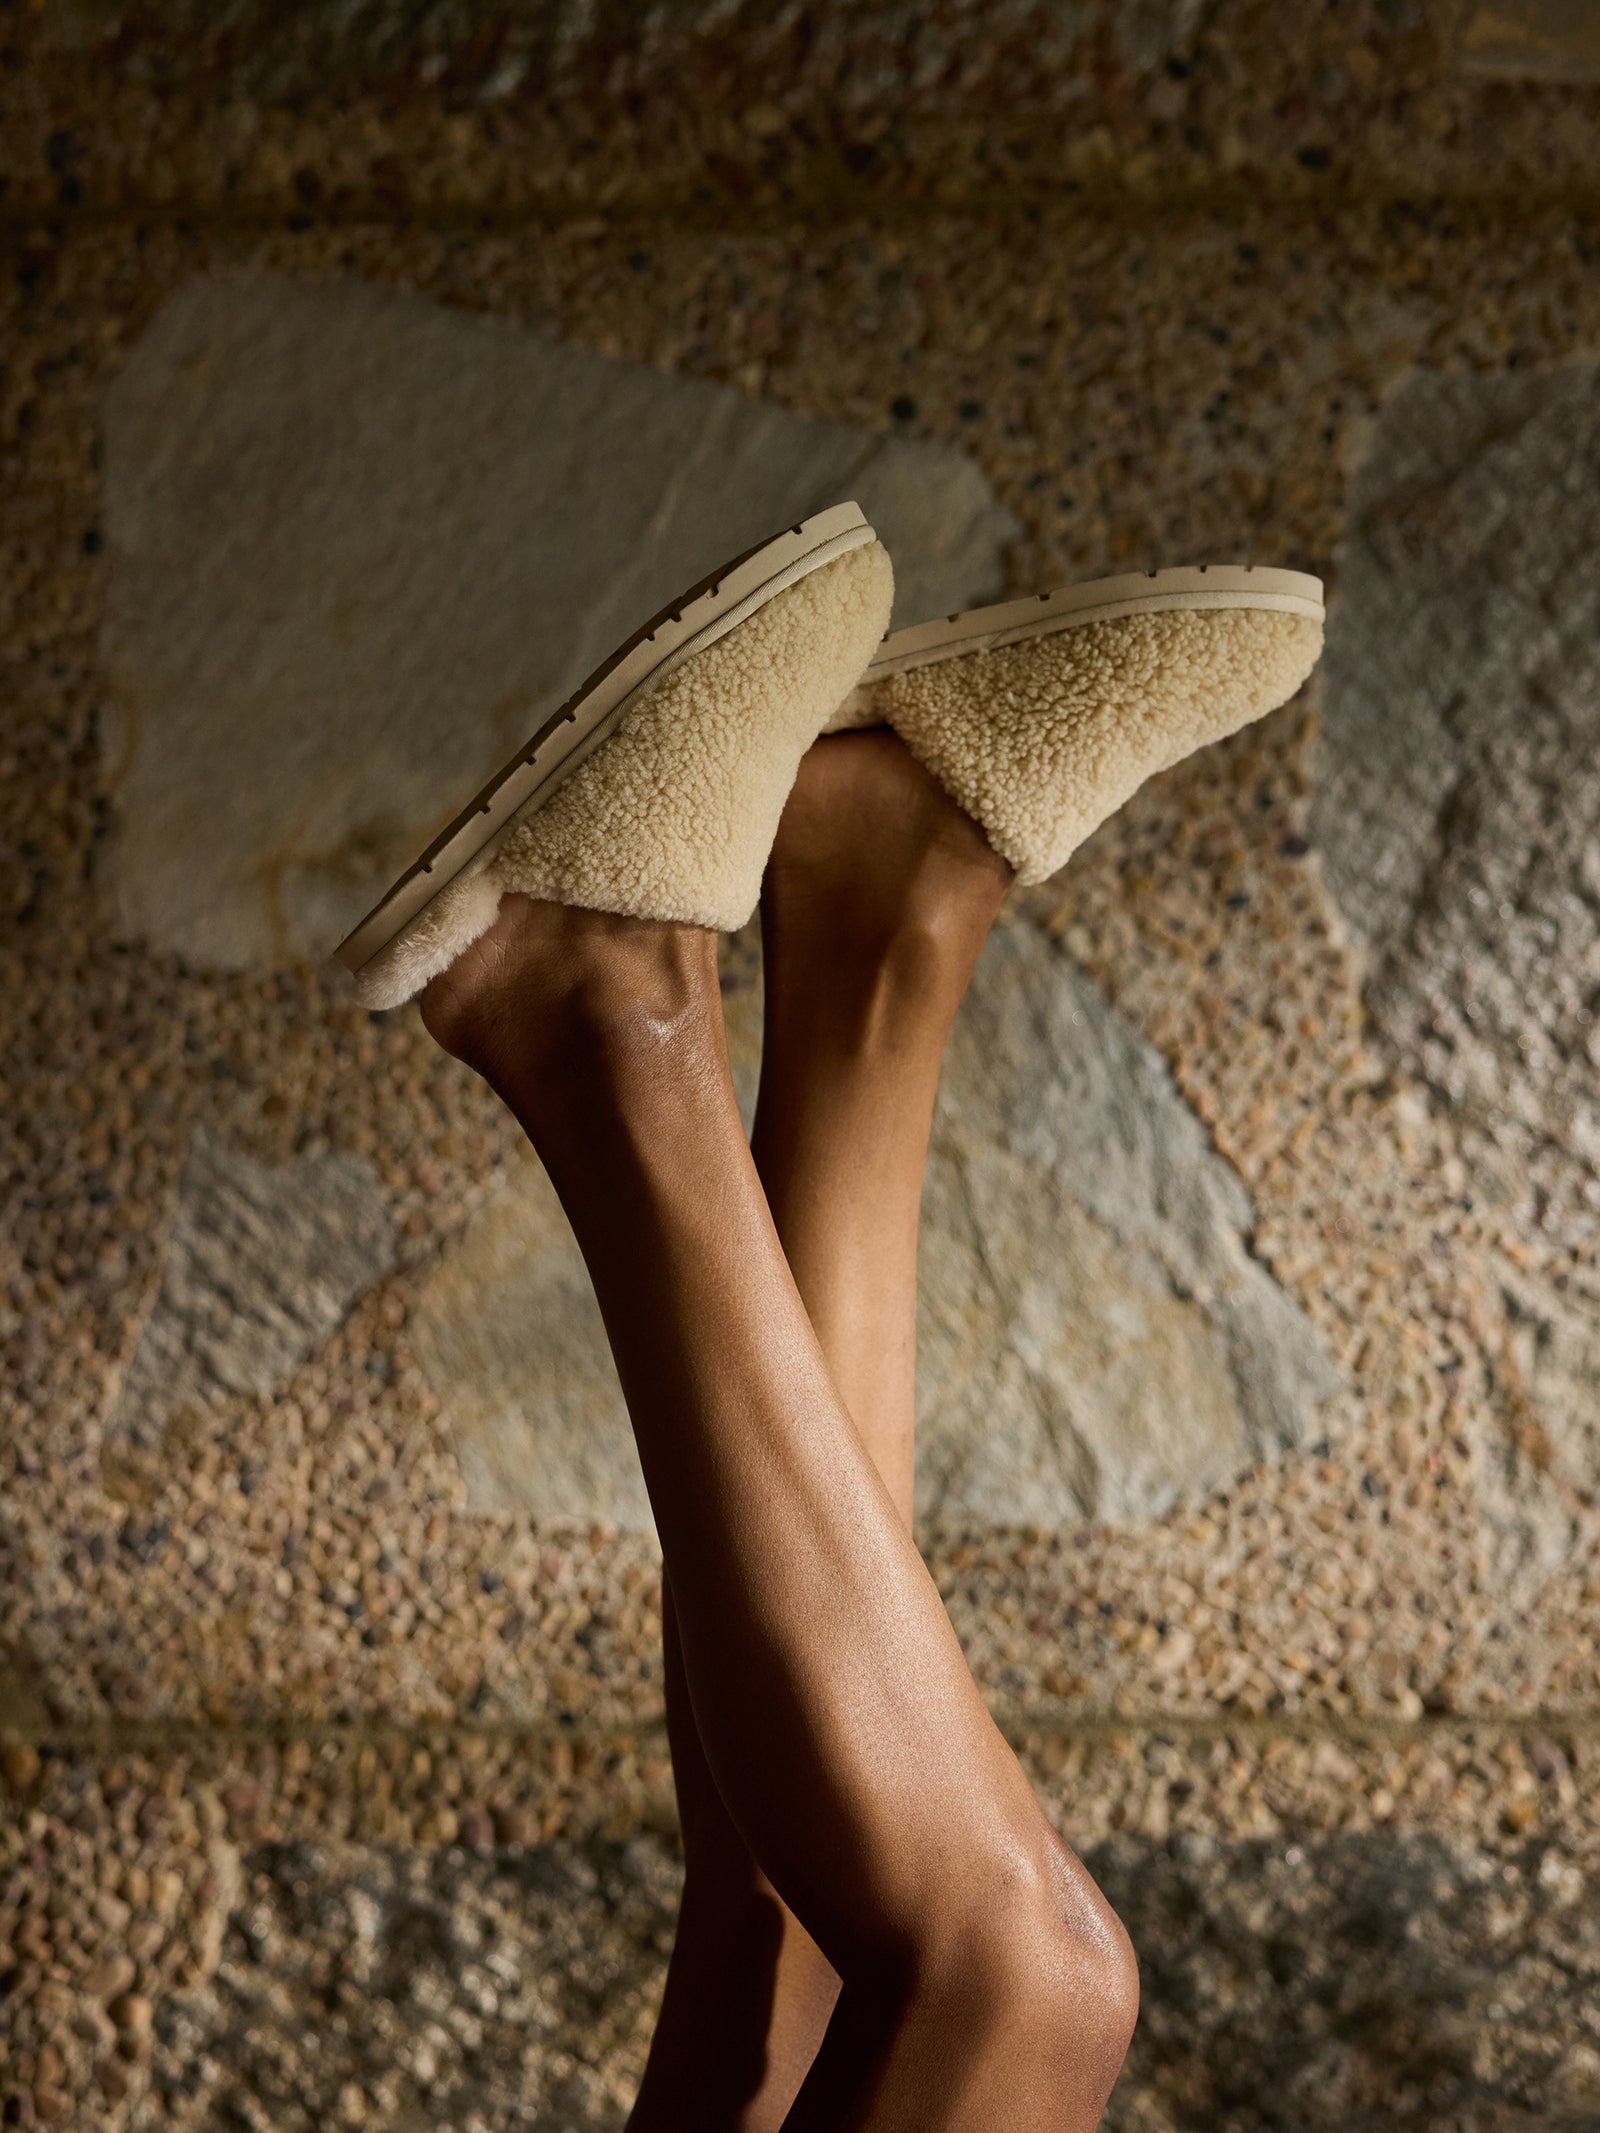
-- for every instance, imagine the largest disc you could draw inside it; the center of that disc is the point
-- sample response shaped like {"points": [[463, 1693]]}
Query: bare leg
{"points": [[877, 899], [988, 1981]]}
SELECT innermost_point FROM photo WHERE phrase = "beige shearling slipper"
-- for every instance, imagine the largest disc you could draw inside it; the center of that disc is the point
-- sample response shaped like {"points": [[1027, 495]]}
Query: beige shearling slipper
{"points": [[656, 790], [1041, 717]]}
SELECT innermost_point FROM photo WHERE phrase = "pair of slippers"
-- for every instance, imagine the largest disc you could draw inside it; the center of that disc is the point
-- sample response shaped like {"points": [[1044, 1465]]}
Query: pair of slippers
{"points": [[656, 791]]}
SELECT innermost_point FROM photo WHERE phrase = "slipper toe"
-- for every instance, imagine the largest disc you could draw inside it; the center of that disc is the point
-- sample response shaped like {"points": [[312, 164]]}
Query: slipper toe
{"points": [[1041, 740], [674, 814]]}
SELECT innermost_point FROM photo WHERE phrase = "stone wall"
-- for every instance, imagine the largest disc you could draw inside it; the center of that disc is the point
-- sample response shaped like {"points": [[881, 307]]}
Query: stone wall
{"points": [[1260, 1456]]}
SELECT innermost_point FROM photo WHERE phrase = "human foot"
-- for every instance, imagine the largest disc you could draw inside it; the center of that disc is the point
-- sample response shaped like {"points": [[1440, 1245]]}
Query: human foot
{"points": [[553, 994], [879, 879]]}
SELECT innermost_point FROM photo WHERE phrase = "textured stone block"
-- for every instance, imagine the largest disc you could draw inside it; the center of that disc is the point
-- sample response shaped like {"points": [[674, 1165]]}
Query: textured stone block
{"points": [[1537, 40], [1338, 1981], [264, 1260], [296, 48]]}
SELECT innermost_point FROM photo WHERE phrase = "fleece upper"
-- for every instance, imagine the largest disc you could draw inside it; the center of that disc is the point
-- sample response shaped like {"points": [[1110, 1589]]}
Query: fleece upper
{"points": [[673, 815], [1040, 741]]}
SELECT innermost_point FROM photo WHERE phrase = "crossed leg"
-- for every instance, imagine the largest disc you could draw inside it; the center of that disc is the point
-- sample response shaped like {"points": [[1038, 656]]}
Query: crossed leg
{"points": [[877, 898], [983, 1978]]}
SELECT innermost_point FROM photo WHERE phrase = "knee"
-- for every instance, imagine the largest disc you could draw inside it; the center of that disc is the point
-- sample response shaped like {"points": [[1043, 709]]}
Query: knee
{"points": [[1052, 1965], [1097, 2002]]}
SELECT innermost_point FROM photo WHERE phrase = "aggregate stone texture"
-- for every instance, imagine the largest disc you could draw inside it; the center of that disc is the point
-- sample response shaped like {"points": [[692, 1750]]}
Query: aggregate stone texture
{"points": [[371, 1987], [1345, 1981], [1458, 808], [1158, 309], [308, 1554], [1359, 1982], [662, 108], [263, 1261], [1095, 1339], [542, 1865], [113, 1894], [286, 51], [362, 546]]}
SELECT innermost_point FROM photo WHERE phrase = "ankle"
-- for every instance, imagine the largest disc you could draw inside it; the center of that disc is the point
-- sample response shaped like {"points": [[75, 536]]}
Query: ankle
{"points": [[920, 972], [554, 997], [879, 892], [866, 982], [634, 1008]]}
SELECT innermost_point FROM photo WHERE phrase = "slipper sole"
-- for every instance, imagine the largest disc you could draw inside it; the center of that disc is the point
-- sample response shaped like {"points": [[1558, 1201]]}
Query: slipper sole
{"points": [[1141, 592], [707, 611]]}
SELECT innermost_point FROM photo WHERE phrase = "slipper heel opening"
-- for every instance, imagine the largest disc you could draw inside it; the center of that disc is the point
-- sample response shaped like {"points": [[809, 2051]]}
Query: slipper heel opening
{"points": [[459, 914]]}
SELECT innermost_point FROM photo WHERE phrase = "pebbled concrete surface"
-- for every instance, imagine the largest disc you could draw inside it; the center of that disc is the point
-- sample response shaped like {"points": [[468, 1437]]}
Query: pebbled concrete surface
{"points": [[1347, 1981]]}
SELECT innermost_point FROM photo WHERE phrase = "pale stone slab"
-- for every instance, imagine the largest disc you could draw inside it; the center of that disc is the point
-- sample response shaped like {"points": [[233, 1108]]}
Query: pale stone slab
{"points": [[1458, 811], [1095, 1337], [263, 1262], [511, 1340], [360, 544]]}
